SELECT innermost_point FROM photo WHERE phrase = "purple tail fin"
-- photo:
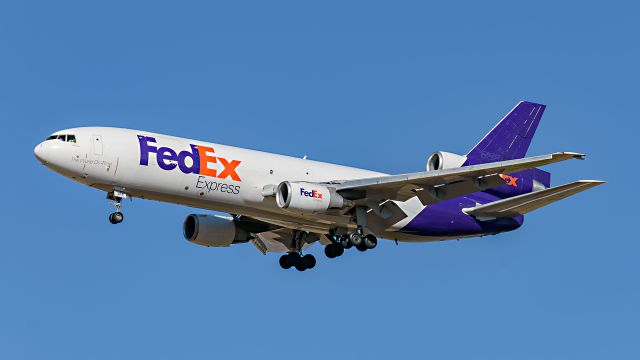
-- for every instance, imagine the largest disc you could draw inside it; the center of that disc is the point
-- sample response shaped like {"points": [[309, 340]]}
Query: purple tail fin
{"points": [[511, 138]]}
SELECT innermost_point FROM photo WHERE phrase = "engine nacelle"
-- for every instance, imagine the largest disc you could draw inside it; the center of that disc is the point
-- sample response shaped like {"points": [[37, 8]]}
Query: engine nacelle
{"points": [[213, 230], [444, 160], [308, 197]]}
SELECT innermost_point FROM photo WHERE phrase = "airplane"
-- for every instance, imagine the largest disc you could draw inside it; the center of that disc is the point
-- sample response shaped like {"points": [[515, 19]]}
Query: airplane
{"points": [[285, 204]]}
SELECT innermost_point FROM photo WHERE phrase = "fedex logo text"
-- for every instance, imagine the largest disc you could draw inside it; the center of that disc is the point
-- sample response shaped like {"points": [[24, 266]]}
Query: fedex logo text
{"points": [[510, 180], [312, 194], [201, 157]]}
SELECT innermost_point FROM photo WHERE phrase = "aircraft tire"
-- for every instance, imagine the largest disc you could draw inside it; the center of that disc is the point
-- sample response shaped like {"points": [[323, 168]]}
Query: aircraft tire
{"points": [[308, 261], [339, 249], [344, 241], [355, 239], [116, 217], [370, 241], [361, 247], [330, 251], [294, 258], [284, 262]]}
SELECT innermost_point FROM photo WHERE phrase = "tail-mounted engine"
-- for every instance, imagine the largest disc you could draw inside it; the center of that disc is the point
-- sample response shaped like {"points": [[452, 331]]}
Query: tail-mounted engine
{"points": [[308, 197], [444, 160]]}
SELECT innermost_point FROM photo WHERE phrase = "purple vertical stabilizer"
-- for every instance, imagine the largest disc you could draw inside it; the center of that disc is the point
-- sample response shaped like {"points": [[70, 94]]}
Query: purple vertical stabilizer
{"points": [[511, 138]]}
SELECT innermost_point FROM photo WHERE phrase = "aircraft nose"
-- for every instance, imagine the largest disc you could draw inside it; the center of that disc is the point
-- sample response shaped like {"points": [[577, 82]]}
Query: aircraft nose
{"points": [[39, 152], [47, 153]]}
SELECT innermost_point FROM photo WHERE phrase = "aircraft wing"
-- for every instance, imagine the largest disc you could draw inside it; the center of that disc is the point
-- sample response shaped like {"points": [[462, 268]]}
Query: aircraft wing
{"points": [[434, 186], [522, 204]]}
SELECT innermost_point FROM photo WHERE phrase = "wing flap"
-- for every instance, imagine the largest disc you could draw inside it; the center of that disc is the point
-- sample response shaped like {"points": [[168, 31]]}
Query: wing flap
{"points": [[522, 204]]}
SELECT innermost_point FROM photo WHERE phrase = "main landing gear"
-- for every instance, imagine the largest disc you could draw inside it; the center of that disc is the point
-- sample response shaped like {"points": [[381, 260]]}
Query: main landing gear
{"points": [[295, 257], [356, 239], [117, 216]]}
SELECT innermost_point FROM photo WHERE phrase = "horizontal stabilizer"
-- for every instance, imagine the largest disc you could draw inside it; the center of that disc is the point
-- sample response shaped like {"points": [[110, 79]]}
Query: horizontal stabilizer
{"points": [[522, 204]]}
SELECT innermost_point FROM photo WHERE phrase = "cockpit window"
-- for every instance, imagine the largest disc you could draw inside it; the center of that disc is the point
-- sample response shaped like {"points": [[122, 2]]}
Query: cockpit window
{"points": [[63, 137]]}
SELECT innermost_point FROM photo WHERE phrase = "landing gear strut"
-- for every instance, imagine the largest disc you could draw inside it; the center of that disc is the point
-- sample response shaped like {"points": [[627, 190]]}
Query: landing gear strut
{"points": [[117, 216]]}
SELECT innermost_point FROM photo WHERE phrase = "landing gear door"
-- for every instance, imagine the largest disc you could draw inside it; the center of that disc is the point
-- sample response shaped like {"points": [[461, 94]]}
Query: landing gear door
{"points": [[97, 144]]}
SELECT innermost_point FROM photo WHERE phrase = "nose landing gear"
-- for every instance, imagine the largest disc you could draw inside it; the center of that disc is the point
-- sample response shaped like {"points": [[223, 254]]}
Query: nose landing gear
{"points": [[117, 196]]}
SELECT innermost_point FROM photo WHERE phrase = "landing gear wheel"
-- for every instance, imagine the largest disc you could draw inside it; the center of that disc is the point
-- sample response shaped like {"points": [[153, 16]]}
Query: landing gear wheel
{"points": [[339, 249], [355, 239], [333, 250], [284, 262], [361, 247], [300, 267], [294, 258], [116, 217], [308, 261], [330, 251], [370, 241]]}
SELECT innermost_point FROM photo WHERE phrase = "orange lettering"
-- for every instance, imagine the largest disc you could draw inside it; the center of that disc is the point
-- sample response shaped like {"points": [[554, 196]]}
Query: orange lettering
{"points": [[229, 169], [205, 160]]}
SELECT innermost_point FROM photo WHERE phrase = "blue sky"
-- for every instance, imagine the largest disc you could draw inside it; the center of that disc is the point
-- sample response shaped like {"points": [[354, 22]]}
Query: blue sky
{"points": [[369, 84]]}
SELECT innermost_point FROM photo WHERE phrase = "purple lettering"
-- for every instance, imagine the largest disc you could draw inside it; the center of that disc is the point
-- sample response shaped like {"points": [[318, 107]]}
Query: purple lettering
{"points": [[195, 160], [164, 153], [145, 149]]}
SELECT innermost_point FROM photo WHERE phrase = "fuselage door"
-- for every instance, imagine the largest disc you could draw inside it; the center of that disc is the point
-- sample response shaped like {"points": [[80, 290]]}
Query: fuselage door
{"points": [[97, 144]]}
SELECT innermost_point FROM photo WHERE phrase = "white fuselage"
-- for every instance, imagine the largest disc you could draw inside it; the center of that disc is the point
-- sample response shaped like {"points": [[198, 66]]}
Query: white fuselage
{"points": [[230, 179]]}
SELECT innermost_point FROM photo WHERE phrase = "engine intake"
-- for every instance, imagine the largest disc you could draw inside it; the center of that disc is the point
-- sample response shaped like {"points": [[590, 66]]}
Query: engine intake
{"points": [[444, 160], [213, 230], [308, 197]]}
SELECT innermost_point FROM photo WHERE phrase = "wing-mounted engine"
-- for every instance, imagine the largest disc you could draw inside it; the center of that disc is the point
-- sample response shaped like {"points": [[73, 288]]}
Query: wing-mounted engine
{"points": [[213, 230], [444, 160], [309, 198]]}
